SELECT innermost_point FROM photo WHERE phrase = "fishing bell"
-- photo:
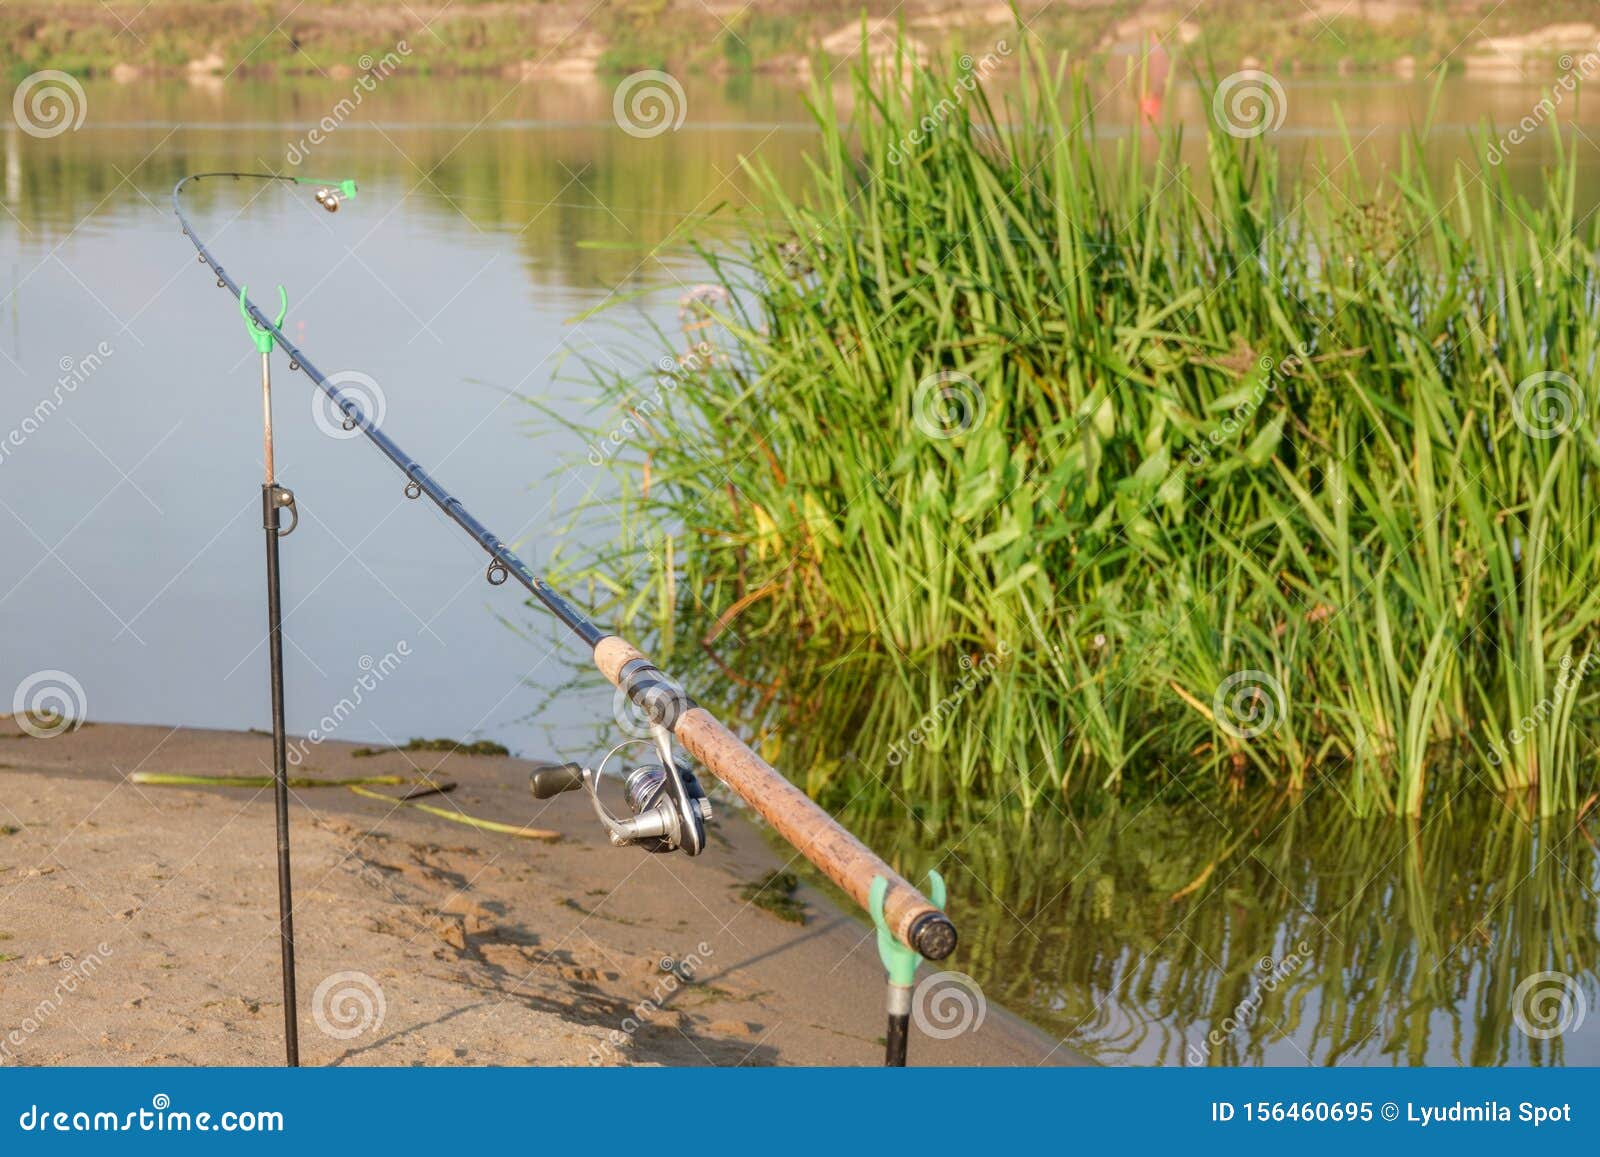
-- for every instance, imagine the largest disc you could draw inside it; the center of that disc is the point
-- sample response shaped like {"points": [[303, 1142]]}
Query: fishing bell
{"points": [[328, 199]]}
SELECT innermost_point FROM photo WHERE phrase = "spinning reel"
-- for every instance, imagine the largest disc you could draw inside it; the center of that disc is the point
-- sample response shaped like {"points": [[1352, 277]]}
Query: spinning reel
{"points": [[669, 807]]}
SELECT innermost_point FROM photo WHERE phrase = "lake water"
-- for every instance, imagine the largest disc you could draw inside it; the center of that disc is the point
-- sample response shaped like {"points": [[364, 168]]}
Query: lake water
{"points": [[492, 219]]}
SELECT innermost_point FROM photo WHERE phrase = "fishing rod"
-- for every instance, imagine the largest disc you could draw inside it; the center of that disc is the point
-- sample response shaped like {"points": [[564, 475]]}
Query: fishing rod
{"points": [[669, 806]]}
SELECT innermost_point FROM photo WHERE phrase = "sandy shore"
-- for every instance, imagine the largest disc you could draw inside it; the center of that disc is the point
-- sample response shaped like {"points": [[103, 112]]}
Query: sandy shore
{"points": [[137, 926]]}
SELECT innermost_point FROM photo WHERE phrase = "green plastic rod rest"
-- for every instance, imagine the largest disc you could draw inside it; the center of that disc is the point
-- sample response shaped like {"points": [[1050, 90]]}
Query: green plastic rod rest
{"points": [[258, 334], [897, 958]]}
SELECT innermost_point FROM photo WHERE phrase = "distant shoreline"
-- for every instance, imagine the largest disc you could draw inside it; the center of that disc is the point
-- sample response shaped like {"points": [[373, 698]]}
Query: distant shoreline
{"points": [[521, 39]]}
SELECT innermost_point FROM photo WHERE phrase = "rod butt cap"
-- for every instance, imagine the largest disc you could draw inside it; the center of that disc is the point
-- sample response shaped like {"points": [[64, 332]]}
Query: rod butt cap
{"points": [[933, 935]]}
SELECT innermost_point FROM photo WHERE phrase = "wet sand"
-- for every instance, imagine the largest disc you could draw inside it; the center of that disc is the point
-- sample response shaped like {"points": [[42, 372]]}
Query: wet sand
{"points": [[138, 926]]}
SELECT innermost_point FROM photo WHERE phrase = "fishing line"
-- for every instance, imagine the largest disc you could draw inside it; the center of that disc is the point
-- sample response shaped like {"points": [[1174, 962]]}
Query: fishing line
{"points": [[460, 817], [738, 218], [360, 785], [170, 779]]}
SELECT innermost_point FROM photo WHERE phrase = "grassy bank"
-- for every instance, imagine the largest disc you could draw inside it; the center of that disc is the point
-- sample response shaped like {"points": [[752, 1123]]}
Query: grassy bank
{"points": [[1036, 464]]}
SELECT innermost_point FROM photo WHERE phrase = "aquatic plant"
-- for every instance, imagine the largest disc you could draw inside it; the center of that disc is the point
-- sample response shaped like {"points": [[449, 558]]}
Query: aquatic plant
{"points": [[1260, 475]]}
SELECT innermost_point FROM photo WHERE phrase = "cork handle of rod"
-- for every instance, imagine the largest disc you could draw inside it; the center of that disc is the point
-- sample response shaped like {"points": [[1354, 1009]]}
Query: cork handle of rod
{"points": [[815, 834]]}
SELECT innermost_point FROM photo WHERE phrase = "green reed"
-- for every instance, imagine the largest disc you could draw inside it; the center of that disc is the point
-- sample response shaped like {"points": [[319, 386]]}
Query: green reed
{"points": [[1234, 463]]}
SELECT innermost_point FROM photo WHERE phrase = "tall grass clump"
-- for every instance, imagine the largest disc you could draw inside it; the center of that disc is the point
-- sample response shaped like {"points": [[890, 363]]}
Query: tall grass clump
{"points": [[1254, 475]]}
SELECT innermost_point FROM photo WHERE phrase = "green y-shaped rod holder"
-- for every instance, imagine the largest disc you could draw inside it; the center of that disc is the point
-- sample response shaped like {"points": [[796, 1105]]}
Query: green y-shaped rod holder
{"points": [[259, 333], [901, 963]]}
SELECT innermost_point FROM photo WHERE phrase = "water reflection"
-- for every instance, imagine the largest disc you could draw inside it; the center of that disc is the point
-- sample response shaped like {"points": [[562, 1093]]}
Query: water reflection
{"points": [[547, 162], [581, 203], [1191, 934], [1180, 928]]}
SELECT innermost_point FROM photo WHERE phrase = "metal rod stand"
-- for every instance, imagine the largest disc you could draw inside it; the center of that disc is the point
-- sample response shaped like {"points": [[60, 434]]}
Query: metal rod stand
{"points": [[900, 961], [894, 1052], [273, 499]]}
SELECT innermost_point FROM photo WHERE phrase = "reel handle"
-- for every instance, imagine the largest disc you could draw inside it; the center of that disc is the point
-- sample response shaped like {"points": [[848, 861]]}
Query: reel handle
{"points": [[549, 780]]}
